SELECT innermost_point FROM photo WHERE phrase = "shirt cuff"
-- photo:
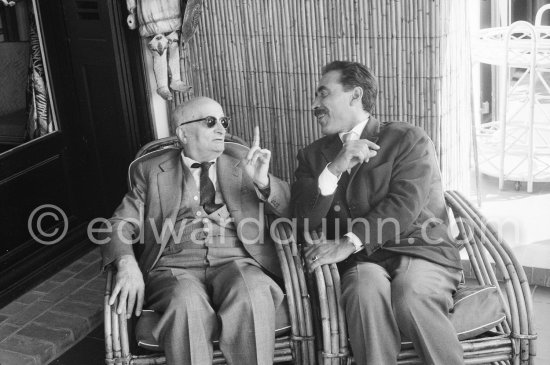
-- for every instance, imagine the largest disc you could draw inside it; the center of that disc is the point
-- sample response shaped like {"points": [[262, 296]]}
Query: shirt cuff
{"points": [[263, 193], [328, 182], [355, 240]]}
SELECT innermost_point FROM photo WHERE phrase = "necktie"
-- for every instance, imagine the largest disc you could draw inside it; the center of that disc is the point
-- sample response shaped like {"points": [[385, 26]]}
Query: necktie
{"points": [[207, 190]]}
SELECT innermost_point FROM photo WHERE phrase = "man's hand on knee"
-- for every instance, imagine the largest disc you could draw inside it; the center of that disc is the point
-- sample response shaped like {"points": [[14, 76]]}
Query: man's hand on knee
{"points": [[129, 286], [328, 252]]}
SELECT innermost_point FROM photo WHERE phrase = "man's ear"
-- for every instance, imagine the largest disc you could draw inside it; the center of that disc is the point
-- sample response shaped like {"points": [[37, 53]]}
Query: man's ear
{"points": [[357, 94], [180, 132]]}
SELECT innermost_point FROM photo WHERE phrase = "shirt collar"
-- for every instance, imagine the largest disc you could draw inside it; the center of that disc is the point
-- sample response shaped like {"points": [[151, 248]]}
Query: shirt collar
{"points": [[189, 161], [358, 129]]}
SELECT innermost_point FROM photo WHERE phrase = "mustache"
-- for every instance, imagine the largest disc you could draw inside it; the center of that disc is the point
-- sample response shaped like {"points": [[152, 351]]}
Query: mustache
{"points": [[319, 111]]}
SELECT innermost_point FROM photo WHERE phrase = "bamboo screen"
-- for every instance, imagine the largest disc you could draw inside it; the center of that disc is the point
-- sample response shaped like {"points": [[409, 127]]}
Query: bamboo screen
{"points": [[261, 59]]}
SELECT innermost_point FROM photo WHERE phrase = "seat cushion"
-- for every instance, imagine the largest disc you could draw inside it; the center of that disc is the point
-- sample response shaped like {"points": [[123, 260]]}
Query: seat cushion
{"points": [[476, 310], [149, 318]]}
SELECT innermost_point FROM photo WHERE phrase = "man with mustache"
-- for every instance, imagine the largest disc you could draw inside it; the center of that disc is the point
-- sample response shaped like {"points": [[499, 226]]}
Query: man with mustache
{"points": [[374, 190], [209, 274]]}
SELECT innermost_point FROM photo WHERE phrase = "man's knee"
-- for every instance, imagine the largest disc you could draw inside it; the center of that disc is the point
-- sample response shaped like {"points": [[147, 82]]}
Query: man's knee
{"points": [[248, 293], [186, 295], [249, 280], [364, 295], [251, 289], [413, 301], [365, 292]]}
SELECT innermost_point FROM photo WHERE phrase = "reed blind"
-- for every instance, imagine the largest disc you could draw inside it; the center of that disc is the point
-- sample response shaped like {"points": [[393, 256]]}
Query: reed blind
{"points": [[261, 59]]}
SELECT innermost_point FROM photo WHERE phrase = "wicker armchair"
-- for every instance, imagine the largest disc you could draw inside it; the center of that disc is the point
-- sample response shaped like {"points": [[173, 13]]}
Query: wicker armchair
{"points": [[512, 341], [294, 345]]}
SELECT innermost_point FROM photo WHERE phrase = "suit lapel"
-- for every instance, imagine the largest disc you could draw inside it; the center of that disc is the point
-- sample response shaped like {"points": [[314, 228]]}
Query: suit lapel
{"points": [[230, 181], [331, 148], [240, 197], [170, 186], [170, 189]]}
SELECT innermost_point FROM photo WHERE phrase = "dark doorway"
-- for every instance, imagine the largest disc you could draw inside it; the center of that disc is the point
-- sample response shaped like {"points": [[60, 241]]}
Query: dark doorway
{"points": [[80, 169]]}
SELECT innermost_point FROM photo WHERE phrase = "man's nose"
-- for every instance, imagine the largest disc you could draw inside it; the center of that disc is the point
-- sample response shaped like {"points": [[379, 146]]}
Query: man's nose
{"points": [[219, 127], [315, 104]]}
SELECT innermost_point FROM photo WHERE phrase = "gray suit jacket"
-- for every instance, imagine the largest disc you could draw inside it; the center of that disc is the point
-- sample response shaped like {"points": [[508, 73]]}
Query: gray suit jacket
{"points": [[155, 195]]}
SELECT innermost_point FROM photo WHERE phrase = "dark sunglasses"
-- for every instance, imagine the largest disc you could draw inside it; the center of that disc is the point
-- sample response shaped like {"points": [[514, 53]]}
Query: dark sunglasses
{"points": [[211, 121]]}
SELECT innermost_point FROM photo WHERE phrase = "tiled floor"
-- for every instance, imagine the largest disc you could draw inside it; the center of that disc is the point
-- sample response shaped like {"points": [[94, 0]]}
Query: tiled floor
{"points": [[50, 318], [89, 351]]}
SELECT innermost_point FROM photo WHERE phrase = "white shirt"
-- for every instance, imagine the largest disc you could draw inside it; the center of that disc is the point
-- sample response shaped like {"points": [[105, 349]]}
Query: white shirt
{"points": [[328, 182], [196, 172]]}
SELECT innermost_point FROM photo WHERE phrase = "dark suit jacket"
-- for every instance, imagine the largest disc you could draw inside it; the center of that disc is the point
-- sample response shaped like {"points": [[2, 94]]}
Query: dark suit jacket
{"points": [[155, 196], [402, 182]]}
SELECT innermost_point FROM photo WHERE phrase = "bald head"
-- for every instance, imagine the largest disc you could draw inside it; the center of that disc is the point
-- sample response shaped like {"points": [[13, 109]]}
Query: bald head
{"points": [[195, 108], [200, 142]]}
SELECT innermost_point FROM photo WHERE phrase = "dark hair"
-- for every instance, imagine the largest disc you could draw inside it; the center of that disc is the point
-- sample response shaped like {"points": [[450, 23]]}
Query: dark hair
{"points": [[354, 74]]}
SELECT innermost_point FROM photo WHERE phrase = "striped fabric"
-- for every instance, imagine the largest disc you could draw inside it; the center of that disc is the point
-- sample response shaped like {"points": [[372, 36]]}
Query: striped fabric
{"points": [[38, 107], [156, 17]]}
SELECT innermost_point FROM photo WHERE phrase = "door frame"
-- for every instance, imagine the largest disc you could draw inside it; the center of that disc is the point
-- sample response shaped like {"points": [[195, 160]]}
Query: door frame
{"points": [[27, 269]]}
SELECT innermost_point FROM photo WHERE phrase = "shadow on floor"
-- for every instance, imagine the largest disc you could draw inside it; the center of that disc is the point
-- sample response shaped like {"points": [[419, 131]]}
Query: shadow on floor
{"points": [[89, 351]]}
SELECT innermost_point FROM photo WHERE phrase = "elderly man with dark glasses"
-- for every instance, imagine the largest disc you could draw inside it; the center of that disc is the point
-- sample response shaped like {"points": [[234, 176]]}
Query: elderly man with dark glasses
{"points": [[210, 121], [212, 278]]}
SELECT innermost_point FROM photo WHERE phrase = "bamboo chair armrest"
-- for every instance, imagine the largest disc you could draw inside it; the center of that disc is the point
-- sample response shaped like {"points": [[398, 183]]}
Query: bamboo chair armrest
{"points": [[482, 241], [117, 349], [296, 290], [333, 331]]}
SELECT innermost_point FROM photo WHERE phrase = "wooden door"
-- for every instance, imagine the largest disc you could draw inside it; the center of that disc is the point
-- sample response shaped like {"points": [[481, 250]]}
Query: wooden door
{"points": [[81, 168]]}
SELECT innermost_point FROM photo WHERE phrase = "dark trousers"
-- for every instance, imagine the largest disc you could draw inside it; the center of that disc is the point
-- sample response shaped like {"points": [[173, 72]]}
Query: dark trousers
{"points": [[399, 296]]}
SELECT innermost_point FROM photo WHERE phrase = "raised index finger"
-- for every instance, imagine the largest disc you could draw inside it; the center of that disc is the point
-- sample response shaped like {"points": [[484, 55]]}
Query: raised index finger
{"points": [[256, 140]]}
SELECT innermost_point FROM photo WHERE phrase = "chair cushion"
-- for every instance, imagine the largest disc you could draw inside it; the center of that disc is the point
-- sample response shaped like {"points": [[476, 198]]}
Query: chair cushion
{"points": [[476, 310], [149, 318]]}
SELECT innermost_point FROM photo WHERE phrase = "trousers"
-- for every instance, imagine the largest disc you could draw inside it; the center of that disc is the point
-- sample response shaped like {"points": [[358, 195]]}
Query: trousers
{"points": [[402, 297], [234, 302]]}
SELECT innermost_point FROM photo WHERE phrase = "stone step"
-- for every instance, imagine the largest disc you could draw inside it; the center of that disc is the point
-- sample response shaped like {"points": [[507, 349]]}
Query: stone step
{"points": [[49, 319]]}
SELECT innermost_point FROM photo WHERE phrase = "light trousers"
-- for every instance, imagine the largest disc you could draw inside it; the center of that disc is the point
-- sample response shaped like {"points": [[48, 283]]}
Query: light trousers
{"points": [[235, 303]]}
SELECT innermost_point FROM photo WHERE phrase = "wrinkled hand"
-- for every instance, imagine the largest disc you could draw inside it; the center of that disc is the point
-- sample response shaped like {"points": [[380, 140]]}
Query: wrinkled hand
{"points": [[353, 153], [129, 286], [257, 161], [328, 252]]}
